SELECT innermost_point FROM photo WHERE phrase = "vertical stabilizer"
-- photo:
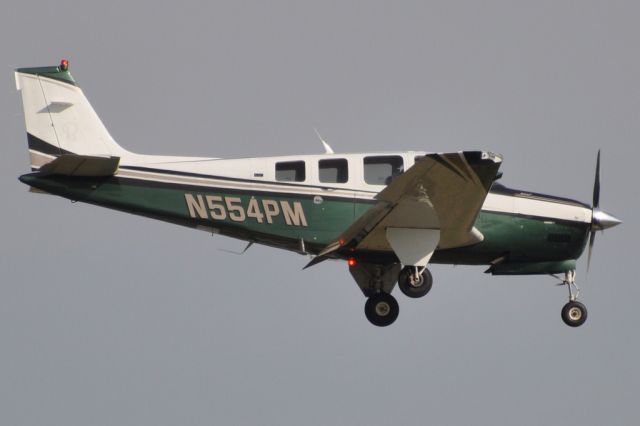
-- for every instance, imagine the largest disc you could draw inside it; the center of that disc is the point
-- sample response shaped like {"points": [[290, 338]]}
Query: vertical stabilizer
{"points": [[58, 117]]}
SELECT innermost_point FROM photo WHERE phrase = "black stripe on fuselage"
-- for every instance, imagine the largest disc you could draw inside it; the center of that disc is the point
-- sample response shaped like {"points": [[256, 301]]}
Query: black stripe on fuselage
{"points": [[205, 188], [233, 179], [496, 189]]}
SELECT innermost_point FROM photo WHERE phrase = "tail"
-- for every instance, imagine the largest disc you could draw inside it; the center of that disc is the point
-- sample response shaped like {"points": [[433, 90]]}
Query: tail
{"points": [[59, 118]]}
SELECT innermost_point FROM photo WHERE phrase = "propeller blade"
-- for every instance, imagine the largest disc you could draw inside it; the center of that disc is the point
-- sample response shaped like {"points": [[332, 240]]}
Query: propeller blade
{"points": [[592, 239], [596, 185]]}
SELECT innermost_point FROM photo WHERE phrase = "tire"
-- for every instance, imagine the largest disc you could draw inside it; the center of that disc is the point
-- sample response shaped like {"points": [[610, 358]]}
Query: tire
{"points": [[574, 314], [412, 290], [381, 309]]}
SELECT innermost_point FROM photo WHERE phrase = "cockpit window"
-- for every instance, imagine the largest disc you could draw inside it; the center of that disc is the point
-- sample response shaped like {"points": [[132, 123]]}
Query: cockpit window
{"points": [[290, 171], [380, 170]]}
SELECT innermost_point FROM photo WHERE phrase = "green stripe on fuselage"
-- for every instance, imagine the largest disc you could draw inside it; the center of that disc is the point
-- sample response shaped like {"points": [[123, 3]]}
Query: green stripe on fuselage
{"points": [[519, 238]]}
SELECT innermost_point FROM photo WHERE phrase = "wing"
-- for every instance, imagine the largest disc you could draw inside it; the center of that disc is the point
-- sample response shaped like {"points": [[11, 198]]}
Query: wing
{"points": [[433, 204]]}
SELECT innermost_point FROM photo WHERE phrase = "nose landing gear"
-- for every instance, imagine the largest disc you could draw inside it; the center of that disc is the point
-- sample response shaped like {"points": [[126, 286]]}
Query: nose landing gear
{"points": [[574, 313]]}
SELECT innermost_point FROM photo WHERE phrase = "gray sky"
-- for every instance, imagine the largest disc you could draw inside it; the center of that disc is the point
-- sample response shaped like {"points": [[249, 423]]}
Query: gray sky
{"points": [[112, 319]]}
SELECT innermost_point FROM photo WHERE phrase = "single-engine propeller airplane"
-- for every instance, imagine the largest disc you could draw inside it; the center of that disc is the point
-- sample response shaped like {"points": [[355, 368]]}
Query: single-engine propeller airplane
{"points": [[387, 214]]}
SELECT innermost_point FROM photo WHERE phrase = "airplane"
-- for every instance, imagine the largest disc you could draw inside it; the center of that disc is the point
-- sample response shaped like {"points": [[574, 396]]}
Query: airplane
{"points": [[388, 215]]}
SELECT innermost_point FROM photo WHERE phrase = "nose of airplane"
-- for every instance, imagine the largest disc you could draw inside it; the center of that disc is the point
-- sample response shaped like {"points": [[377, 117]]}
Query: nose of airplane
{"points": [[602, 220]]}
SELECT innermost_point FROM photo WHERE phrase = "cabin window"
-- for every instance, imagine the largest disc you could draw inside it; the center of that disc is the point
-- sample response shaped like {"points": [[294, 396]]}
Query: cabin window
{"points": [[333, 170], [380, 170], [290, 171]]}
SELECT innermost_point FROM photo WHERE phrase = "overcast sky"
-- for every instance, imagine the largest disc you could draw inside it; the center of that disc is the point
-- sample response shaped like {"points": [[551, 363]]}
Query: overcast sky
{"points": [[112, 319]]}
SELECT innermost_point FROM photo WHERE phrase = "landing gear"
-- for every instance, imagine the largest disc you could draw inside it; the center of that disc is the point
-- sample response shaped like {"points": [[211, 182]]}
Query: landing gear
{"points": [[381, 309], [377, 282], [574, 313], [414, 282]]}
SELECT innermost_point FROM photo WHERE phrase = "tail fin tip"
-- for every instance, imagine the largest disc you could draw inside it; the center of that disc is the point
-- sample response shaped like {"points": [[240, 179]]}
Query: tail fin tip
{"points": [[57, 72]]}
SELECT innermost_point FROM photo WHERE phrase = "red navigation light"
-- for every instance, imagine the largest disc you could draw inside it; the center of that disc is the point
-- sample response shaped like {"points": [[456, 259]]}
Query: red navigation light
{"points": [[341, 241], [64, 65], [352, 262]]}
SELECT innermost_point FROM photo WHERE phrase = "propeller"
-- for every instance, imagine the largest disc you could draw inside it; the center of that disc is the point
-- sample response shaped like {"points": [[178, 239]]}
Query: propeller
{"points": [[596, 184], [599, 219]]}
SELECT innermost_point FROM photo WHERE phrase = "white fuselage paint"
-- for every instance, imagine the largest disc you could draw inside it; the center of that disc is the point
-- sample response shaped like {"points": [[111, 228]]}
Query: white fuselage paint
{"points": [[237, 174], [240, 174], [536, 207]]}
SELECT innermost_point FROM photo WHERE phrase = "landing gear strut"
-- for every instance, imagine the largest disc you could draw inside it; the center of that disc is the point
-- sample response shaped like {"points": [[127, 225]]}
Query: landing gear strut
{"points": [[415, 281], [574, 313]]}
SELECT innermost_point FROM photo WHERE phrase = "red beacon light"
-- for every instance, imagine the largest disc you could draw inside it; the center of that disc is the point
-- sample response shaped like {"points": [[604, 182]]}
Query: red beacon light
{"points": [[352, 262], [64, 65]]}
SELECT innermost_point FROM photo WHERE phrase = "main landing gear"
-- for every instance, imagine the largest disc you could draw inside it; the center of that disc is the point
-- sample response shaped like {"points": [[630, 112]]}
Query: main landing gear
{"points": [[574, 313], [381, 309], [377, 282], [414, 281]]}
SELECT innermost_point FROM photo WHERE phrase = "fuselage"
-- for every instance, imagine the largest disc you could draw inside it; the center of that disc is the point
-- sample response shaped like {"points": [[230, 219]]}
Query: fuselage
{"points": [[302, 203]]}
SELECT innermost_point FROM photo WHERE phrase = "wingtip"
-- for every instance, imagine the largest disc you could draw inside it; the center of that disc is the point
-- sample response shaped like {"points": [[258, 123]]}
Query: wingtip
{"points": [[488, 155]]}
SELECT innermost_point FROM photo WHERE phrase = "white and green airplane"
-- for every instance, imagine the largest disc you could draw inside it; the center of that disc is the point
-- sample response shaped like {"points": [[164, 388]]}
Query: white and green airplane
{"points": [[387, 214]]}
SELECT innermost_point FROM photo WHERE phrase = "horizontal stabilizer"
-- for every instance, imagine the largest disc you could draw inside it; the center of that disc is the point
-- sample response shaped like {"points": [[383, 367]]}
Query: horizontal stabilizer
{"points": [[82, 165]]}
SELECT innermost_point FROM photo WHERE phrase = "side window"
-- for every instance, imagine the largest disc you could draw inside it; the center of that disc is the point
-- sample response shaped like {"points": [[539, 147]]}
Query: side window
{"points": [[334, 170], [380, 170], [290, 171]]}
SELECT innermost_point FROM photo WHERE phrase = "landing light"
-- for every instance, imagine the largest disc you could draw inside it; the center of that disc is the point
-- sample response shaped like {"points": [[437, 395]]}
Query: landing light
{"points": [[64, 65], [352, 262]]}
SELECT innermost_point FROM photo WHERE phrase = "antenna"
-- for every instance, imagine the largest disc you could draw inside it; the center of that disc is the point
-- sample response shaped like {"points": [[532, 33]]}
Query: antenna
{"points": [[327, 147], [238, 252]]}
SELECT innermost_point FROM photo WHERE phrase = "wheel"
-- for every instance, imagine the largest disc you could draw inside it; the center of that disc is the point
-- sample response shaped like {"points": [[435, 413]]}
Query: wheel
{"points": [[574, 314], [414, 289], [381, 309]]}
